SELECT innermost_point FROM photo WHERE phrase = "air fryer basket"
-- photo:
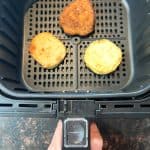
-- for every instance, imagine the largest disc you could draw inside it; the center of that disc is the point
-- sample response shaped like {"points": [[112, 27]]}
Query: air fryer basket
{"points": [[125, 22]]}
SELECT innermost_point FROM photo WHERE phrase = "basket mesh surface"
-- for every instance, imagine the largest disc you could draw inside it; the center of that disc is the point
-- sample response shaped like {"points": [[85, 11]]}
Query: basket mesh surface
{"points": [[72, 74]]}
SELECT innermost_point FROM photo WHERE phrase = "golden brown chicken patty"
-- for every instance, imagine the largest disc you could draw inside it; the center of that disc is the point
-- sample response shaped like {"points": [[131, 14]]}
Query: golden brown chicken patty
{"points": [[78, 18], [47, 50], [103, 56]]}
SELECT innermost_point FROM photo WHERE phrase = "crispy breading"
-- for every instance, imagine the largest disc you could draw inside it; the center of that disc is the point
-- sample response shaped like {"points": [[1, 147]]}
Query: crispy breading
{"points": [[47, 50], [103, 56], [78, 18]]}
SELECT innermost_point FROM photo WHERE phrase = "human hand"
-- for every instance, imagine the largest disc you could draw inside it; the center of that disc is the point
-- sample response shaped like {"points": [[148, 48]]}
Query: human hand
{"points": [[56, 143], [95, 138]]}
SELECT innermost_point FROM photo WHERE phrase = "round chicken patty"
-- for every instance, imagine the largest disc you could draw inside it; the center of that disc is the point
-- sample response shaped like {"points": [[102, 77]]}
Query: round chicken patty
{"points": [[78, 18], [47, 50], [103, 57]]}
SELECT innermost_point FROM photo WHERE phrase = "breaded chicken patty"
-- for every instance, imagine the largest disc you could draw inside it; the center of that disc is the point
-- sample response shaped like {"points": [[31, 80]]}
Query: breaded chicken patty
{"points": [[47, 50], [103, 56], [78, 18]]}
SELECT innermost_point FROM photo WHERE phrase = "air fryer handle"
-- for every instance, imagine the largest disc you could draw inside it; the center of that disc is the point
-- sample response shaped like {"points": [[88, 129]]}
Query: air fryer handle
{"points": [[76, 133]]}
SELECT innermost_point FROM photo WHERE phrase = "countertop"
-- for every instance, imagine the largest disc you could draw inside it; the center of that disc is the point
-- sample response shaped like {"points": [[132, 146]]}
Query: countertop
{"points": [[20, 133]]}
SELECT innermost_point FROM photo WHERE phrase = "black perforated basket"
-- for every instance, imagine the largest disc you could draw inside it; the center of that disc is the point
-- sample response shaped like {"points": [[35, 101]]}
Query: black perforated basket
{"points": [[125, 22]]}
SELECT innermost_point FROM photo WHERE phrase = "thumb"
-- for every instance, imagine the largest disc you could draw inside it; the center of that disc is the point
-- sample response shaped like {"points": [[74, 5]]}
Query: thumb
{"points": [[95, 138], [56, 143]]}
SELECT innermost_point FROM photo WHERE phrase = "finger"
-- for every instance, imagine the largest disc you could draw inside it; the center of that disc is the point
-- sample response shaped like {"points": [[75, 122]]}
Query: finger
{"points": [[56, 143], [95, 138]]}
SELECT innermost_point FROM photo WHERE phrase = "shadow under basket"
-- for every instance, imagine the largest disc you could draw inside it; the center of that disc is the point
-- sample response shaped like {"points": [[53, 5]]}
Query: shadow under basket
{"points": [[125, 22]]}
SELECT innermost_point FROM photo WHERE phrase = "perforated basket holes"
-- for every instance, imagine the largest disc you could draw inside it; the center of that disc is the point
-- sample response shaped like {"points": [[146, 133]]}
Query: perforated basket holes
{"points": [[87, 80], [43, 16], [72, 74], [58, 79], [111, 19]]}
